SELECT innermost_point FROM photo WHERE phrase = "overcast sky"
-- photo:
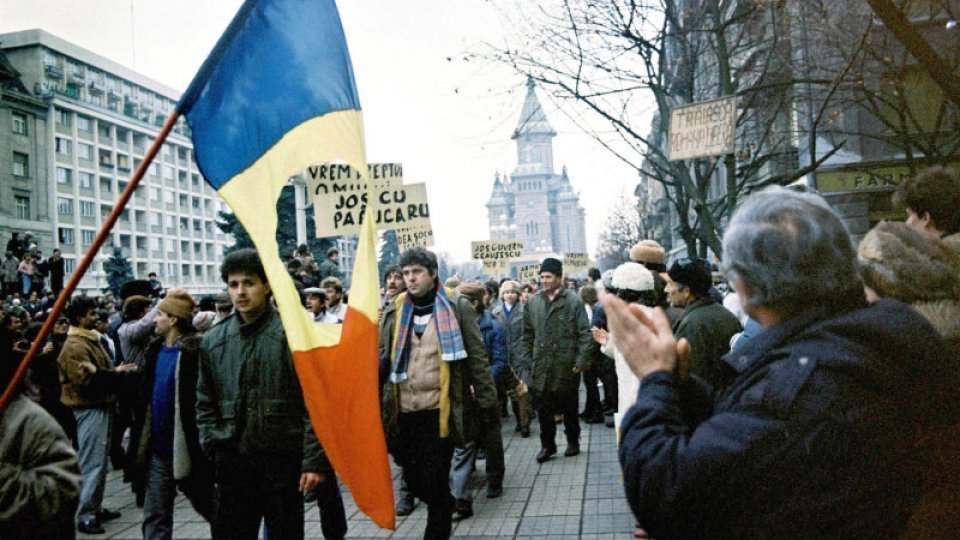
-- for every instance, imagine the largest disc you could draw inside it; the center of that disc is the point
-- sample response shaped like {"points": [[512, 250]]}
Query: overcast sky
{"points": [[447, 120]]}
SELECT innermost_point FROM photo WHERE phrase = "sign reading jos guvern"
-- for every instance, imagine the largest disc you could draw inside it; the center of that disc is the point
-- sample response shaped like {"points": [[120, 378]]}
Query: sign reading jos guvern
{"points": [[702, 129], [496, 249]]}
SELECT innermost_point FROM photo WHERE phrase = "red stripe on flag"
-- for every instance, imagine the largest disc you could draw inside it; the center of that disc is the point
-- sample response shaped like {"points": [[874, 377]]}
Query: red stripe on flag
{"points": [[341, 388]]}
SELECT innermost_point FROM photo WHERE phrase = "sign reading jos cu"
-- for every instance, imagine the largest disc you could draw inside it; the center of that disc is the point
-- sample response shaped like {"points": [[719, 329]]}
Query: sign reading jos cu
{"points": [[340, 198], [702, 129]]}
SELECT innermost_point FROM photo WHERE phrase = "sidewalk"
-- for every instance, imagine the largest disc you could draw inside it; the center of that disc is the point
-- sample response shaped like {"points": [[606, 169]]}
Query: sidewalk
{"points": [[578, 497]]}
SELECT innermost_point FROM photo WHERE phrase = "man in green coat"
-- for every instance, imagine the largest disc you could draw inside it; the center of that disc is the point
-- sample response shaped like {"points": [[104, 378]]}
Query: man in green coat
{"points": [[555, 348], [705, 324]]}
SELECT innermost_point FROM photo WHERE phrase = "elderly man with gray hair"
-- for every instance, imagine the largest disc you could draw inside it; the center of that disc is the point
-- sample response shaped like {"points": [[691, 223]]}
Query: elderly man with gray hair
{"points": [[834, 414]]}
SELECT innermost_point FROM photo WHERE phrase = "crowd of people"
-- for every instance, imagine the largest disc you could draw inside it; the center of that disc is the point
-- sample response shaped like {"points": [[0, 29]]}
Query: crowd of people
{"points": [[806, 388]]}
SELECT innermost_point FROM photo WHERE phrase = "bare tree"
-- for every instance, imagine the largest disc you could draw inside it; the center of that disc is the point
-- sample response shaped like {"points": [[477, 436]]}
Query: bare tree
{"points": [[623, 228], [623, 60]]}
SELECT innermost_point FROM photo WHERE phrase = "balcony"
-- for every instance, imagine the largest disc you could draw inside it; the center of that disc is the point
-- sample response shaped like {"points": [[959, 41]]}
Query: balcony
{"points": [[76, 76], [113, 95], [53, 72], [95, 88]]}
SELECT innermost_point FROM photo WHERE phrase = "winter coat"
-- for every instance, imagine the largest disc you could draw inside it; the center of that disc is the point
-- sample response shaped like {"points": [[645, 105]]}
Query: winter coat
{"points": [[249, 398], [39, 476], [10, 269], [57, 270], [708, 326], [820, 434], [196, 481], [78, 389], [556, 338], [135, 336], [328, 268], [474, 370], [495, 342], [513, 328]]}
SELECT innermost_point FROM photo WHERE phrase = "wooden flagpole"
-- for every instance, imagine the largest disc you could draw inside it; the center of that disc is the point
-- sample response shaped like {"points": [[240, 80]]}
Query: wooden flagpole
{"points": [[88, 258]]}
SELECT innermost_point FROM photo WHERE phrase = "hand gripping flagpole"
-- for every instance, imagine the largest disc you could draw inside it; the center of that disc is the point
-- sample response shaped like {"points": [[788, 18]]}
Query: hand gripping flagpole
{"points": [[88, 258]]}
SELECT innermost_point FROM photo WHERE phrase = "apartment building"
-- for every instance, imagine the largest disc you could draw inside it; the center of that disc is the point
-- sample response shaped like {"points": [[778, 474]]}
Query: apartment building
{"points": [[69, 144]]}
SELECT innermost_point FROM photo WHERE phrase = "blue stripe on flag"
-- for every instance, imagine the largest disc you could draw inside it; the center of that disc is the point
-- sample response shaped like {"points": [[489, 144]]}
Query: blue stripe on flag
{"points": [[279, 64]]}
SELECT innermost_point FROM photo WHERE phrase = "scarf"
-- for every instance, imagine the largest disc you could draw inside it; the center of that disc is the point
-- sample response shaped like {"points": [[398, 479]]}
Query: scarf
{"points": [[448, 332]]}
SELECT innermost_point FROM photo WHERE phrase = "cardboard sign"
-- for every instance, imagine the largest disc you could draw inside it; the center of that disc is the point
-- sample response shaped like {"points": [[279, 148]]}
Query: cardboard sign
{"points": [[525, 272], [421, 234], [398, 207], [496, 249], [333, 178], [702, 129], [574, 263]]}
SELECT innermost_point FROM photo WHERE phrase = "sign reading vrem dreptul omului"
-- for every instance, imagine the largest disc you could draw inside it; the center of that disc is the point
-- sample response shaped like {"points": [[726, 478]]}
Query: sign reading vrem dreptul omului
{"points": [[702, 129]]}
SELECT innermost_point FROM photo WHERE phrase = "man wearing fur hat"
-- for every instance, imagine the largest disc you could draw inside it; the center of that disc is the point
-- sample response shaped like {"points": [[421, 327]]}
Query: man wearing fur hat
{"points": [[164, 434], [705, 324], [650, 254], [435, 359], [556, 348]]}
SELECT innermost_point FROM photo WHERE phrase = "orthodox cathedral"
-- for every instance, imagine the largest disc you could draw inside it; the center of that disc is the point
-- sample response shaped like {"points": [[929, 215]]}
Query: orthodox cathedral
{"points": [[534, 204]]}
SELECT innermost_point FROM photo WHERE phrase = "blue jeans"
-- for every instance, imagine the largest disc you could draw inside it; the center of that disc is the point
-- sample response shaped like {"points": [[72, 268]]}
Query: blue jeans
{"points": [[93, 429], [25, 284], [161, 491]]}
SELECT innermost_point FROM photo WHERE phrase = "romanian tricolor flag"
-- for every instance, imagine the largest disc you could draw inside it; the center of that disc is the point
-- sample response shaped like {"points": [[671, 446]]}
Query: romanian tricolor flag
{"points": [[276, 95]]}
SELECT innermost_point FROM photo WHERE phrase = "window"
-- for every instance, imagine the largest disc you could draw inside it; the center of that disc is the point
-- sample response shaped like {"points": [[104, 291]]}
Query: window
{"points": [[167, 151], [64, 206], [65, 235], [23, 207], [168, 197], [167, 173], [85, 151], [156, 243], [155, 219], [154, 169], [63, 146], [64, 176], [19, 123], [69, 265], [85, 180], [171, 221], [171, 245], [87, 209], [64, 118], [171, 270], [21, 164], [86, 237], [155, 195], [84, 123]]}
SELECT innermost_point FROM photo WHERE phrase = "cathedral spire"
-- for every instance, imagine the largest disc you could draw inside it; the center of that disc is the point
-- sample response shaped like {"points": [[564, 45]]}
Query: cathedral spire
{"points": [[532, 119]]}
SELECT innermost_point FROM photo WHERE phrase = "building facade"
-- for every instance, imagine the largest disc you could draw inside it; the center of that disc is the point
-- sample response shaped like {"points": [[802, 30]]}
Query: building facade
{"points": [[534, 203], [69, 143]]}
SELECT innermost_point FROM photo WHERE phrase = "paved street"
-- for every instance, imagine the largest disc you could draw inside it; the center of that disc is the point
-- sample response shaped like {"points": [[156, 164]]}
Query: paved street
{"points": [[578, 497]]}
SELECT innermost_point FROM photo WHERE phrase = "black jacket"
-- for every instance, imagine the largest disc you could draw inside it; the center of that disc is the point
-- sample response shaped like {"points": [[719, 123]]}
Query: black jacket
{"points": [[820, 434], [198, 486]]}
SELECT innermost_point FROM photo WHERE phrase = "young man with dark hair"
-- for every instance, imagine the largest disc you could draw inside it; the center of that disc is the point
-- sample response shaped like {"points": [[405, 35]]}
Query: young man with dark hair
{"points": [[89, 384], [556, 348], [434, 355], [251, 416], [932, 201], [336, 310], [165, 426], [330, 267]]}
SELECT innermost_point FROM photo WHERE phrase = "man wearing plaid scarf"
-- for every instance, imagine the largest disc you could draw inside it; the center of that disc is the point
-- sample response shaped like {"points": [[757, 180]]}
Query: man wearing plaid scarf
{"points": [[433, 360]]}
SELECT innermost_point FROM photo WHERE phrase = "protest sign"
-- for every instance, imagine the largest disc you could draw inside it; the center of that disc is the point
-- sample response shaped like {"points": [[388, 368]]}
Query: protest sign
{"points": [[574, 263], [496, 249], [702, 129], [397, 207], [527, 271], [420, 234]]}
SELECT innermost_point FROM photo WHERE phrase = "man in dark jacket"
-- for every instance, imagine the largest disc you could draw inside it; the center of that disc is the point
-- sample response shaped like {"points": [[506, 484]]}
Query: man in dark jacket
{"points": [[824, 431], [330, 267], [56, 268], [705, 324], [251, 416], [430, 341], [166, 444]]}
